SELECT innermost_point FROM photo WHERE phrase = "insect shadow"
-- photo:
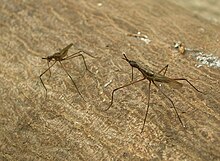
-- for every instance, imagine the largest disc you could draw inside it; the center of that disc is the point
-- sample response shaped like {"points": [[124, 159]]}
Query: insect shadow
{"points": [[153, 77], [61, 56]]}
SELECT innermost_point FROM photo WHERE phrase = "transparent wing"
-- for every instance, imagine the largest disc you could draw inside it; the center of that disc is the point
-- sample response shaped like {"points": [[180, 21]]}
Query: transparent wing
{"points": [[175, 84], [64, 51], [171, 82]]}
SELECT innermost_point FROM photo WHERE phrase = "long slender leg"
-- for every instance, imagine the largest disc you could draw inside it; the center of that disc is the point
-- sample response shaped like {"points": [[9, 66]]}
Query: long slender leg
{"points": [[132, 74], [164, 68], [120, 88], [170, 101], [148, 104], [72, 80], [43, 74], [73, 56], [184, 79], [48, 64]]}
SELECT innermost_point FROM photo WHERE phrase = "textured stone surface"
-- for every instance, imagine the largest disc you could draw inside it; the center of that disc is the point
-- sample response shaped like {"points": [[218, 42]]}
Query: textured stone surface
{"points": [[64, 127]]}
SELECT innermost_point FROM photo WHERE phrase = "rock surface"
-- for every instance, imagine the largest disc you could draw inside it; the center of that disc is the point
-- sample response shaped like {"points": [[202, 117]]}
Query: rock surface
{"points": [[64, 127]]}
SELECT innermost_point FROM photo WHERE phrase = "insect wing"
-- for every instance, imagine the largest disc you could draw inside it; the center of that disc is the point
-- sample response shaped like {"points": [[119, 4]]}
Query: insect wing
{"points": [[64, 51], [174, 83]]}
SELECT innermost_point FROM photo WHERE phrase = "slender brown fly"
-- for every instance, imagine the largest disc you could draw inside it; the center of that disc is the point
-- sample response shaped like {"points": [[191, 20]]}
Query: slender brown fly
{"points": [[61, 56], [153, 77]]}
